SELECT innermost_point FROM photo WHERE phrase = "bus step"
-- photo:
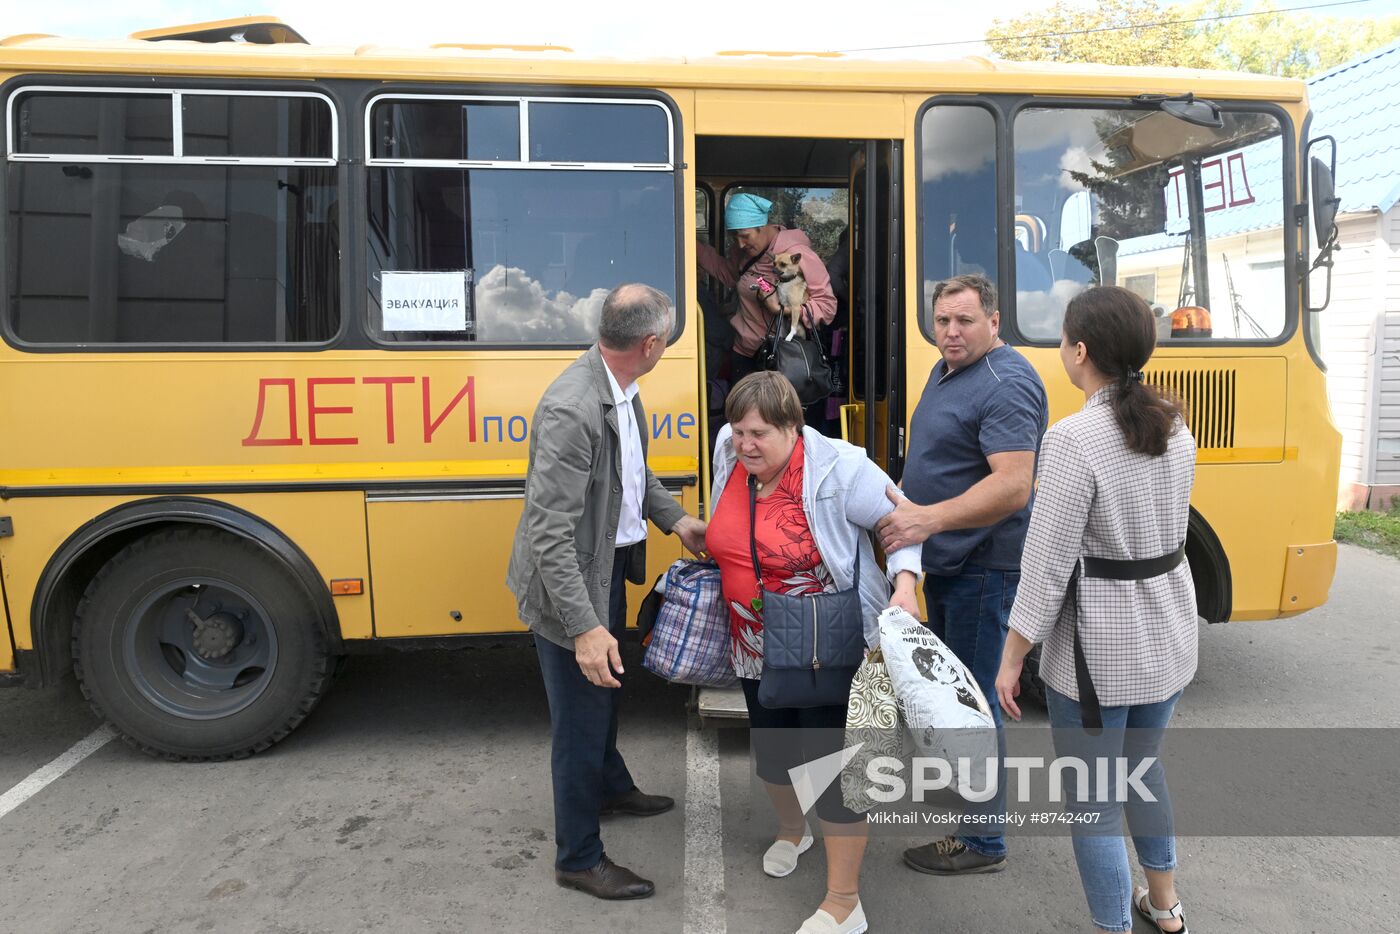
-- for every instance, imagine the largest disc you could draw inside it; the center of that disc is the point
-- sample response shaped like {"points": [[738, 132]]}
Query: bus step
{"points": [[723, 704]]}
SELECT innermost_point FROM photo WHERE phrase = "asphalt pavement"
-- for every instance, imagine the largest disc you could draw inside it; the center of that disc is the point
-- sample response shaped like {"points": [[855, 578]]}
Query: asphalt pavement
{"points": [[417, 798]]}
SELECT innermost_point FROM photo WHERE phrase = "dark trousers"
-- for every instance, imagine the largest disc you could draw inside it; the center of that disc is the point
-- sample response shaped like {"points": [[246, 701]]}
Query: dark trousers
{"points": [[785, 737], [587, 768]]}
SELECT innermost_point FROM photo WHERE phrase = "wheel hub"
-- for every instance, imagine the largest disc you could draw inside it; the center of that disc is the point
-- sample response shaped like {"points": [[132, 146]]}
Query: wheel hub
{"points": [[216, 635]]}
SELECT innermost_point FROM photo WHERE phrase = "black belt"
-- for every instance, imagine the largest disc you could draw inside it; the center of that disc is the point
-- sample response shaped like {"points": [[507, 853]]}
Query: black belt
{"points": [[1110, 569], [1114, 569]]}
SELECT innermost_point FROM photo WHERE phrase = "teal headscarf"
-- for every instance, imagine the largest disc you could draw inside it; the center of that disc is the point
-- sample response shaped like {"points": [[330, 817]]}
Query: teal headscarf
{"points": [[745, 211]]}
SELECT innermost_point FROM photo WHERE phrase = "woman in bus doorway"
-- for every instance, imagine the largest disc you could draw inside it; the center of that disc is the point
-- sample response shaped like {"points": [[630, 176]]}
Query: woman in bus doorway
{"points": [[1105, 586], [756, 243]]}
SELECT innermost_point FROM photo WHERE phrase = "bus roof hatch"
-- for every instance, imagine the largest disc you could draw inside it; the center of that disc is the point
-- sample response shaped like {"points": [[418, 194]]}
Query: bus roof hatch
{"points": [[255, 30]]}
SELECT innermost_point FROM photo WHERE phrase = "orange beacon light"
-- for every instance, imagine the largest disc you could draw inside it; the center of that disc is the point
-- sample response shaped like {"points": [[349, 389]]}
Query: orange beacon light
{"points": [[1191, 321]]}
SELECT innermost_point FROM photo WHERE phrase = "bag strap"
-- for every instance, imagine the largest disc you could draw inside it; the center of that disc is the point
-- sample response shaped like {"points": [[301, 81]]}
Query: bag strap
{"points": [[749, 265], [1090, 714], [772, 337], [753, 523]]}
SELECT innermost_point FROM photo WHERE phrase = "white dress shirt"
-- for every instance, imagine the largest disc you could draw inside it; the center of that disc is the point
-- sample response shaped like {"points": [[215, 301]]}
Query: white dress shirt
{"points": [[631, 527]]}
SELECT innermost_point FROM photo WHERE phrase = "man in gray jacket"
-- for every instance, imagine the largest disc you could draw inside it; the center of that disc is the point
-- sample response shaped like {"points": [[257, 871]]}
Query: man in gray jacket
{"points": [[582, 536]]}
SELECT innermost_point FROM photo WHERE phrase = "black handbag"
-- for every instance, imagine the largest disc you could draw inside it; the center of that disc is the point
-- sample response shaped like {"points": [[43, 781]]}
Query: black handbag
{"points": [[812, 644], [802, 360]]}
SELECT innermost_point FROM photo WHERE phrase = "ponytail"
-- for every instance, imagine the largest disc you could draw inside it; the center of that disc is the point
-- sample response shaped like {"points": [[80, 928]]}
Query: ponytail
{"points": [[1146, 416], [1119, 335]]}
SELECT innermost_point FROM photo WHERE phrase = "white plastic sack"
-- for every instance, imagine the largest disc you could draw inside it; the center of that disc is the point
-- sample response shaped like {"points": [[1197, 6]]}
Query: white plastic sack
{"points": [[939, 701]]}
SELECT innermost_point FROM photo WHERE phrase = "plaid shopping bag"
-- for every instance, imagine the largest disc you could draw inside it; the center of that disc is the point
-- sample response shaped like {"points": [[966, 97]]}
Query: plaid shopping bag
{"points": [[689, 642]]}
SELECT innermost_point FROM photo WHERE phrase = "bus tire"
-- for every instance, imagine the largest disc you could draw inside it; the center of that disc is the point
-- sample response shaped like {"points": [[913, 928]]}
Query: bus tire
{"points": [[1032, 687], [198, 645]]}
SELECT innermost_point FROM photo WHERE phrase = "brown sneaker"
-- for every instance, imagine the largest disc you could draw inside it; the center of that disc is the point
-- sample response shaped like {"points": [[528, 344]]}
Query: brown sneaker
{"points": [[949, 857], [638, 804], [606, 880]]}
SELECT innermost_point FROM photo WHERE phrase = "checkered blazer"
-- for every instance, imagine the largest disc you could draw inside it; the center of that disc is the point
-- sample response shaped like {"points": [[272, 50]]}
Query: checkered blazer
{"points": [[1097, 498]]}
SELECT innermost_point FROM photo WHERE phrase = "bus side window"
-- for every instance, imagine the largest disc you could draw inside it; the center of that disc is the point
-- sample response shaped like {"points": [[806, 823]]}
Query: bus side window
{"points": [[541, 236], [958, 196], [222, 233]]}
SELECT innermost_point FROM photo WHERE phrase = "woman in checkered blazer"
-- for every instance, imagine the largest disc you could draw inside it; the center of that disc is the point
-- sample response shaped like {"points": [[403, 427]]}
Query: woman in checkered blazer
{"points": [[1104, 585]]}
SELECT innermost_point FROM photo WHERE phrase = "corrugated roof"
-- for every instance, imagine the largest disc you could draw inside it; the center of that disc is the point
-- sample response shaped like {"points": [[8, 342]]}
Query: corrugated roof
{"points": [[1356, 103]]}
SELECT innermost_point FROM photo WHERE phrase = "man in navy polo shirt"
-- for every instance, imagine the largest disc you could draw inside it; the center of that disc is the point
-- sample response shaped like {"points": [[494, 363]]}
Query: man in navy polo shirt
{"points": [[969, 477]]}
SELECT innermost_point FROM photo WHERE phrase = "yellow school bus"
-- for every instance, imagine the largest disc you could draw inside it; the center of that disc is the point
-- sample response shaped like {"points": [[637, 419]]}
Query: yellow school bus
{"points": [[277, 317]]}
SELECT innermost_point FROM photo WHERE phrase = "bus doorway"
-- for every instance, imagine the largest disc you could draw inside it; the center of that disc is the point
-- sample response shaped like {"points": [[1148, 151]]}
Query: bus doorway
{"points": [[844, 195], [875, 414]]}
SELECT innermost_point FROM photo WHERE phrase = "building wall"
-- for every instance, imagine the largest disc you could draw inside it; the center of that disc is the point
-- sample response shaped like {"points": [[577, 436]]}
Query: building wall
{"points": [[1349, 333], [1387, 426]]}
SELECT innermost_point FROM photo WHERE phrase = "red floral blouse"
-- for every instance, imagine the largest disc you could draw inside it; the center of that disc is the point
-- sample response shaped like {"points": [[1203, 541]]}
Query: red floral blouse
{"points": [[787, 555]]}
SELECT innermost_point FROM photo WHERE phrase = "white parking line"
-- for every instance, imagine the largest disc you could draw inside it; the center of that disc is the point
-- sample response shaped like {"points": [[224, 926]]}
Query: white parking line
{"points": [[704, 835], [39, 780]]}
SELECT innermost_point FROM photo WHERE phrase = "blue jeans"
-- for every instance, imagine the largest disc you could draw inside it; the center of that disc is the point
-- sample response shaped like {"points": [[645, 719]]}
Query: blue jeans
{"points": [[968, 612], [587, 768], [1133, 733]]}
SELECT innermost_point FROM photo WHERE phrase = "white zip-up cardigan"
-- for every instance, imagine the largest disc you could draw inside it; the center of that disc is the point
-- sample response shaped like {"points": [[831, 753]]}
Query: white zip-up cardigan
{"points": [[843, 492]]}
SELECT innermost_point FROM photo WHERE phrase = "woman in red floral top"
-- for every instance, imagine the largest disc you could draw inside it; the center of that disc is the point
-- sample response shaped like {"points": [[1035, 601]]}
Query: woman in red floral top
{"points": [[815, 498], [787, 555]]}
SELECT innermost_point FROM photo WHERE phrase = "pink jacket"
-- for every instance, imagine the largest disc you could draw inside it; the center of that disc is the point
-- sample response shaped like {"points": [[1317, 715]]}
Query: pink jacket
{"points": [[752, 319]]}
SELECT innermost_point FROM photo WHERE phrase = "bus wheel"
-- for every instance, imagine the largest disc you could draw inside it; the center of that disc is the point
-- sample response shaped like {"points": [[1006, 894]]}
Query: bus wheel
{"points": [[1032, 686], [198, 645]]}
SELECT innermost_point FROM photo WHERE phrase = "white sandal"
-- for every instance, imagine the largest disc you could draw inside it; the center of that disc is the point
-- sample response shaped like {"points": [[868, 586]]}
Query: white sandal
{"points": [[781, 858], [1144, 905], [823, 923]]}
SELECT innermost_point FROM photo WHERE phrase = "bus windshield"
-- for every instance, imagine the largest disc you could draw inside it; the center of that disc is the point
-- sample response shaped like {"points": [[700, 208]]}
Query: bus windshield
{"points": [[1189, 217]]}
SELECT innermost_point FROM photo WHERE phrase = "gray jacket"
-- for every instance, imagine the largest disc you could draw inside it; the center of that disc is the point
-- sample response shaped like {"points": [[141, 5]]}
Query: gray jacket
{"points": [[843, 492], [562, 564]]}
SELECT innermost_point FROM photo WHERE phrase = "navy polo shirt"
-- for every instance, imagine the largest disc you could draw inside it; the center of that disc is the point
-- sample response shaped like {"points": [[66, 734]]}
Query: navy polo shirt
{"points": [[995, 405]]}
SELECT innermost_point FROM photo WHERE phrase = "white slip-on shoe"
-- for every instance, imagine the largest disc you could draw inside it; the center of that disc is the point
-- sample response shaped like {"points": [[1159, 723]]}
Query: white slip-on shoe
{"points": [[823, 923], [781, 858]]}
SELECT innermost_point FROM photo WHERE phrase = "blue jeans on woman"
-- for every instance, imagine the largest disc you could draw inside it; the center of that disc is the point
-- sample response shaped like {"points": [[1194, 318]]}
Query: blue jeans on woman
{"points": [[1133, 733], [969, 612]]}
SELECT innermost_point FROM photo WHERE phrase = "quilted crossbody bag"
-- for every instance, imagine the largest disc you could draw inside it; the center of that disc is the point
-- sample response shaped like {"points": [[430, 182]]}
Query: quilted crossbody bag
{"points": [[813, 643]]}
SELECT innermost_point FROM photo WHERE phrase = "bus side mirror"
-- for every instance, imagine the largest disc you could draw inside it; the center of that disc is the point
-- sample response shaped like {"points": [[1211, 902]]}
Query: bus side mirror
{"points": [[1324, 203], [1323, 200]]}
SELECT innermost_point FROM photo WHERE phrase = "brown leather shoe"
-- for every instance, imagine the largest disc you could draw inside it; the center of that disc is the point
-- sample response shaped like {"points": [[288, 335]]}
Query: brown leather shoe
{"points": [[949, 857], [606, 880], [638, 804]]}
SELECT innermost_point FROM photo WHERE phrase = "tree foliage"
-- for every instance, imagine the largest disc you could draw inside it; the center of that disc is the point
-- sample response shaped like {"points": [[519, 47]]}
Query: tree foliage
{"points": [[1189, 36], [1072, 32]]}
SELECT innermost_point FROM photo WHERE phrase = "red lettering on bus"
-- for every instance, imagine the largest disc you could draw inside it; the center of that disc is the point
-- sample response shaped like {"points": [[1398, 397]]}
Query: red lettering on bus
{"points": [[313, 410], [388, 383], [1218, 184], [1244, 178], [431, 424], [292, 439]]}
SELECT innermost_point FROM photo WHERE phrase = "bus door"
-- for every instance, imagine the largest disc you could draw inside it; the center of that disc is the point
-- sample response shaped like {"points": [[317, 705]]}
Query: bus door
{"points": [[7, 651], [874, 416]]}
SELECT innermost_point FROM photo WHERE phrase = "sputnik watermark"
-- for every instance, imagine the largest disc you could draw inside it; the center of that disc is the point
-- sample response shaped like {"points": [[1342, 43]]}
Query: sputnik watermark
{"points": [[1234, 782], [1114, 784], [1012, 819]]}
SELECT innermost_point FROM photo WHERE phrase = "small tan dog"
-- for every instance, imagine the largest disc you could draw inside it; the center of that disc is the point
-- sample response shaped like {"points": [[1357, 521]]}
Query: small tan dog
{"points": [[792, 290]]}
